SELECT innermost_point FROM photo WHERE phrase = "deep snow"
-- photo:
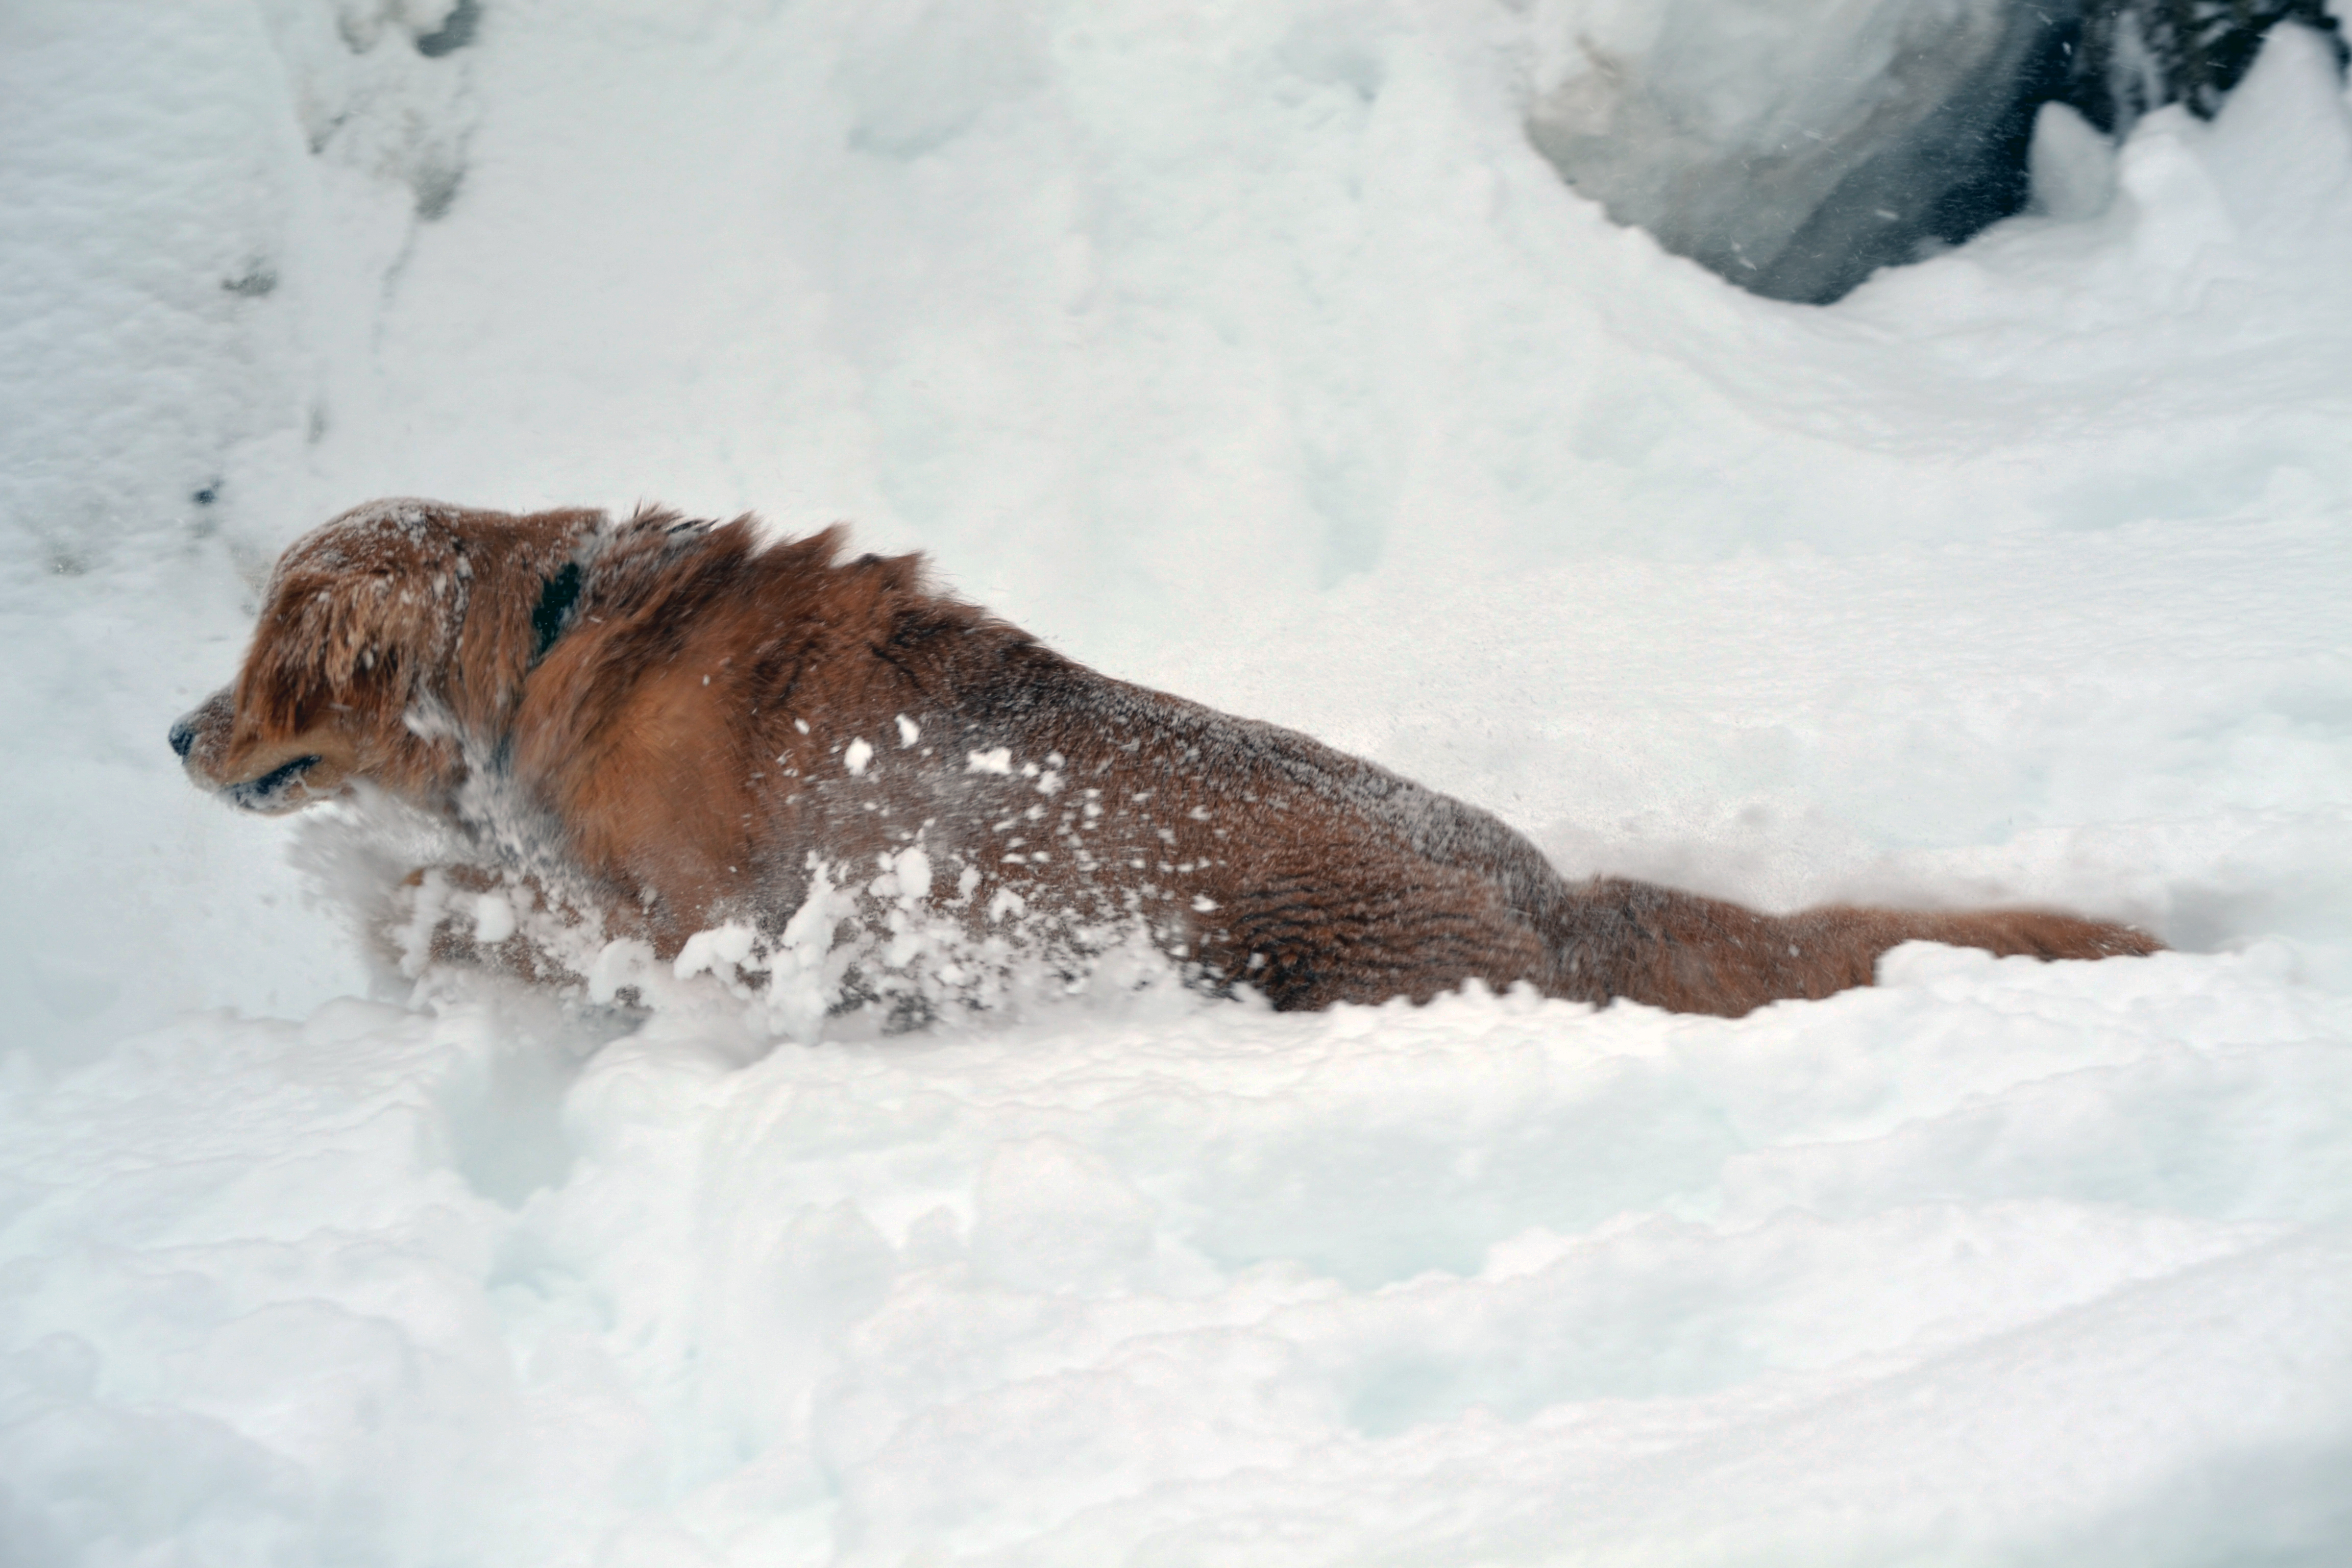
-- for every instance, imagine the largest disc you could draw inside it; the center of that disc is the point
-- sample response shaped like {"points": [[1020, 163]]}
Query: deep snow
{"points": [[1248, 350]]}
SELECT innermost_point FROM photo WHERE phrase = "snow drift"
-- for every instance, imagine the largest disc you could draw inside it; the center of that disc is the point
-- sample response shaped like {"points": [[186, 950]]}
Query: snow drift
{"points": [[1251, 352]]}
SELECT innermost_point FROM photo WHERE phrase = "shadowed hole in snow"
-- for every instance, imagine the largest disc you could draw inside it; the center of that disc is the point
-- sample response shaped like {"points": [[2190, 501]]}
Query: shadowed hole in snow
{"points": [[505, 1105], [454, 33]]}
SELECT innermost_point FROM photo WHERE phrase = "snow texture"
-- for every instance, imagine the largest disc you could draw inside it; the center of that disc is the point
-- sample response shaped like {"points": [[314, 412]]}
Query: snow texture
{"points": [[1252, 352]]}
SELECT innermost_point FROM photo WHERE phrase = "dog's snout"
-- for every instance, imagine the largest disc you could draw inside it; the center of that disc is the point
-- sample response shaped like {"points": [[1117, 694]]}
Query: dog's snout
{"points": [[183, 735]]}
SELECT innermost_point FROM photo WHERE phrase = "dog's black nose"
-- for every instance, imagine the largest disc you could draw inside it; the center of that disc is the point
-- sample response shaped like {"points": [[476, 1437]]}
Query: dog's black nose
{"points": [[183, 735]]}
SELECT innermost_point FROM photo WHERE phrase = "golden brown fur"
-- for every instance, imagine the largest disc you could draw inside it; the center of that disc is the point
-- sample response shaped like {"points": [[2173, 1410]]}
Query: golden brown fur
{"points": [[673, 723]]}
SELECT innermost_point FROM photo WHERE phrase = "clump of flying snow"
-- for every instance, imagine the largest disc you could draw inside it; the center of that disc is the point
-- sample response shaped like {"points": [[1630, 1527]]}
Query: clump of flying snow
{"points": [[1254, 353]]}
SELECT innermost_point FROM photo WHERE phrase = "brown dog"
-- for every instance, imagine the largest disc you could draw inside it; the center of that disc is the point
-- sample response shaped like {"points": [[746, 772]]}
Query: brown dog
{"points": [[677, 724]]}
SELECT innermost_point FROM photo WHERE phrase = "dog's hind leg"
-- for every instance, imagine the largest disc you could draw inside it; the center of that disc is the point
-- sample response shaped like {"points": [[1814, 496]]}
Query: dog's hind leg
{"points": [[1323, 926]]}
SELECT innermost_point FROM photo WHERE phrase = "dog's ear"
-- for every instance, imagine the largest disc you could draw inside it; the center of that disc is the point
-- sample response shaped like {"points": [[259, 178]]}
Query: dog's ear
{"points": [[342, 629]]}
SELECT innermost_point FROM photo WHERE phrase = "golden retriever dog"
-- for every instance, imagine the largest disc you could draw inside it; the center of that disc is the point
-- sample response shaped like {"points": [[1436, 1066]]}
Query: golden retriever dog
{"points": [[675, 724]]}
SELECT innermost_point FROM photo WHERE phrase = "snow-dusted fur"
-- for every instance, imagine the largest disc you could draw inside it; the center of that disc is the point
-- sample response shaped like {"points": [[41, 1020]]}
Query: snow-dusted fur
{"points": [[677, 726]]}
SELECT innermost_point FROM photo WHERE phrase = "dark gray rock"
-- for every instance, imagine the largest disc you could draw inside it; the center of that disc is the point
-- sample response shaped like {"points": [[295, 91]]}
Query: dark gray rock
{"points": [[1801, 180]]}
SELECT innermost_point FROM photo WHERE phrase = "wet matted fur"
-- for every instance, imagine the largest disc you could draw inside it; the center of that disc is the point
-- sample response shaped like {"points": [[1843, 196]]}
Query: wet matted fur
{"points": [[678, 722]]}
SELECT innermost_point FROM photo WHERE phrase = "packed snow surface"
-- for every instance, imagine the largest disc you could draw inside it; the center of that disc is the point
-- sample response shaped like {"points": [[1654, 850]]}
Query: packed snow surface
{"points": [[1248, 350]]}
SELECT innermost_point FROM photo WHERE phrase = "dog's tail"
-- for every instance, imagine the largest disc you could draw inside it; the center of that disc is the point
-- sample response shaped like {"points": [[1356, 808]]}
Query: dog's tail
{"points": [[1692, 954]]}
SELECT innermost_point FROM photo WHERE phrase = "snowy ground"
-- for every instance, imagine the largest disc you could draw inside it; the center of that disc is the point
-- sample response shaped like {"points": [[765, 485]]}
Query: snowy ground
{"points": [[1247, 351]]}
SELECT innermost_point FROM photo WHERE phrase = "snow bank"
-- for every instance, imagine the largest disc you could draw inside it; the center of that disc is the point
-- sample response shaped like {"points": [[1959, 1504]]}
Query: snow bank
{"points": [[1251, 352], [1996, 1254]]}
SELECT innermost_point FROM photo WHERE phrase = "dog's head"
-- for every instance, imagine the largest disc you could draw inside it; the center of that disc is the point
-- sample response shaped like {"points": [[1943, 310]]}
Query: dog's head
{"points": [[388, 638]]}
